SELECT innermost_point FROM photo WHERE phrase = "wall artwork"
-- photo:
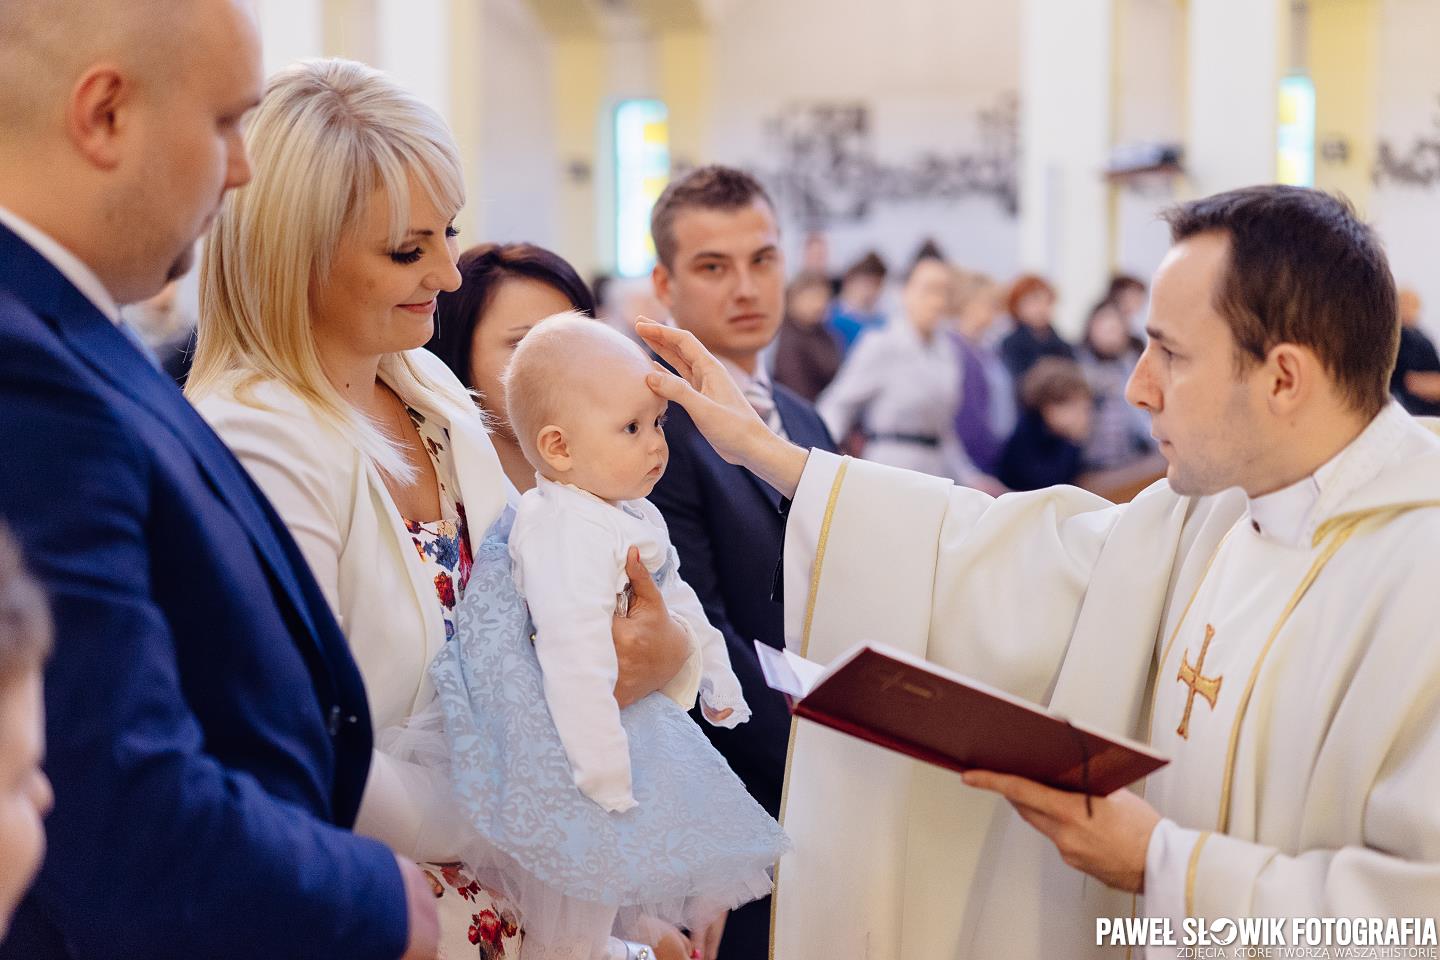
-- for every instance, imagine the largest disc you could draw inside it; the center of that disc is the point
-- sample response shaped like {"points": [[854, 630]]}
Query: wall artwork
{"points": [[825, 170], [1416, 164]]}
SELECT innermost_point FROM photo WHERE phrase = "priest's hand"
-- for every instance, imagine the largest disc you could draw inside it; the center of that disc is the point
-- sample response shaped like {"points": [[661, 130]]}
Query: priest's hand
{"points": [[720, 411], [1110, 845], [650, 646]]}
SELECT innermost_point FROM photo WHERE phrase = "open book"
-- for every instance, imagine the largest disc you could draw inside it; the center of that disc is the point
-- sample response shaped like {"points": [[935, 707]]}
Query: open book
{"points": [[905, 704]]}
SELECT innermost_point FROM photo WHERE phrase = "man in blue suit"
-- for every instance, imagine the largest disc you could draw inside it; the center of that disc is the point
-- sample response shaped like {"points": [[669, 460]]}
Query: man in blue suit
{"points": [[209, 737], [721, 275]]}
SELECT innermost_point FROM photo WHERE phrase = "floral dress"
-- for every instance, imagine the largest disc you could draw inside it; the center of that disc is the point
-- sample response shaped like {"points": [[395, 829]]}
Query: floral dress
{"points": [[474, 921]]}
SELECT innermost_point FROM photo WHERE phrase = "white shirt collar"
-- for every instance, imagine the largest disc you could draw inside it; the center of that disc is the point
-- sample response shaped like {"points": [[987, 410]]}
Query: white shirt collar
{"points": [[760, 378], [1291, 516], [69, 265]]}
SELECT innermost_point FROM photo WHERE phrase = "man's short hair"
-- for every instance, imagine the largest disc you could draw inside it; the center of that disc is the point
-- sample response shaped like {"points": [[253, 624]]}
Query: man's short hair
{"points": [[1303, 269], [1052, 381], [24, 617], [707, 188]]}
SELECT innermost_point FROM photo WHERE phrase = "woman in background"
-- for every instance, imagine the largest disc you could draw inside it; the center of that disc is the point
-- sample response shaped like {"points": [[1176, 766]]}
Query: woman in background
{"points": [[1120, 433], [505, 291], [987, 413], [1032, 304], [807, 354], [901, 384]]}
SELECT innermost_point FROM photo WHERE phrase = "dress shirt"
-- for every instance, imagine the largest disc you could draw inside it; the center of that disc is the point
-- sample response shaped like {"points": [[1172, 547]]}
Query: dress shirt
{"points": [[73, 268], [758, 390]]}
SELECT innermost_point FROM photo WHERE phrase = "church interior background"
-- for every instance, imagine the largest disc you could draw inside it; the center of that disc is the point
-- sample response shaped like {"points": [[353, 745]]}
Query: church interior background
{"points": [[1035, 135]]}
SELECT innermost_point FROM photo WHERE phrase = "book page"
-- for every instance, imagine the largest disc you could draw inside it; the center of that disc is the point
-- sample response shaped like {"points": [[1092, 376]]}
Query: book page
{"points": [[788, 672]]}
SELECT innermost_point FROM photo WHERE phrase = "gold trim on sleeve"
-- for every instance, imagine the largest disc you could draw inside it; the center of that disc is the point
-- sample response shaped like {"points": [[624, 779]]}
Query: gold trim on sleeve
{"points": [[820, 544], [1191, 870]]}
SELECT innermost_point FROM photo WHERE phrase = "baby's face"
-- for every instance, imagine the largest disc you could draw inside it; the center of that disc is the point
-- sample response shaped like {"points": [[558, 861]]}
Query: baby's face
{"points": [[615, 431]]}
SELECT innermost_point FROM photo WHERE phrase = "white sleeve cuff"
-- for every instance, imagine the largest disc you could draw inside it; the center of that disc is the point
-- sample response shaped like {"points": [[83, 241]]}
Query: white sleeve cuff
{"points": [[1167, 861], [685, 685]]}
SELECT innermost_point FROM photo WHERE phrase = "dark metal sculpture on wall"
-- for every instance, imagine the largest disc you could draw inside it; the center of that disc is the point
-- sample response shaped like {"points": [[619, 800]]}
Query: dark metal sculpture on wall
{"points": [[1416, 165], [826, 172]]}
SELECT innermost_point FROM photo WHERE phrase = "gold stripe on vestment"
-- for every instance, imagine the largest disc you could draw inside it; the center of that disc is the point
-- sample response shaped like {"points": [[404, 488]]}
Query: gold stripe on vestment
{"points": [[820, 545]]}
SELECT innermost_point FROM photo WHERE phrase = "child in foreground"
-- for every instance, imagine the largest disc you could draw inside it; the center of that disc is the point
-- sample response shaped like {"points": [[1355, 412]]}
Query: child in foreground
{"points": [[593, 819], [25, 795]]}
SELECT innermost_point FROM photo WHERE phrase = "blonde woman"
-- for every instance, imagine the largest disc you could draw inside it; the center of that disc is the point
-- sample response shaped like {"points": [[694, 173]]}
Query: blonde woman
{"points": [[318, 290]]}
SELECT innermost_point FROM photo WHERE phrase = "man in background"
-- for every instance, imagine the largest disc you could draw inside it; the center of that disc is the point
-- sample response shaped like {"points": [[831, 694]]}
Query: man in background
{"points": [[721, 276]]}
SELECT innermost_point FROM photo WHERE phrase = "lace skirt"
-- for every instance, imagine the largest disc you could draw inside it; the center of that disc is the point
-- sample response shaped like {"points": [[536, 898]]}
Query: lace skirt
{"points": [[696, 844]]}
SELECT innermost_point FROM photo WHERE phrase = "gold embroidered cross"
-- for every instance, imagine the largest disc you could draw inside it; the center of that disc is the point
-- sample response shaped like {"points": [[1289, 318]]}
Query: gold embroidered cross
{"points": [[1207, 687]]}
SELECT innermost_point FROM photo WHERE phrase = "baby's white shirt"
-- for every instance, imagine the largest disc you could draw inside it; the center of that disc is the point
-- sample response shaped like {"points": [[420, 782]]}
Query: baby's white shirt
{"points": [[568, 550]]}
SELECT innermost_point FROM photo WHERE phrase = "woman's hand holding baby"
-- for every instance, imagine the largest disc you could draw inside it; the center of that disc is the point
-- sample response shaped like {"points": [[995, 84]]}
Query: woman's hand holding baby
{"points": [[650, 646], [719, 409]]}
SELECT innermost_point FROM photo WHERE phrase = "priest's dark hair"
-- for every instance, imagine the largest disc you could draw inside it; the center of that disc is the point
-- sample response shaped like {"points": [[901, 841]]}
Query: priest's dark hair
{"points": [[483, 268], [1303, 269], [705, 188]]}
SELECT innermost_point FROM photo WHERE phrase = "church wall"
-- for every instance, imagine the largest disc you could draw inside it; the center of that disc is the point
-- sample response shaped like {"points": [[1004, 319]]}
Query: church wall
{"points": [[1150, 65], [881, 123], [1405, 200], [517, 194]]}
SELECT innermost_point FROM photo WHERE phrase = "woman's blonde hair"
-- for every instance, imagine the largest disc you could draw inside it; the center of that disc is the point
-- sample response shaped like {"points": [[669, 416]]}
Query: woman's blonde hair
{"points": [[326, 136]]}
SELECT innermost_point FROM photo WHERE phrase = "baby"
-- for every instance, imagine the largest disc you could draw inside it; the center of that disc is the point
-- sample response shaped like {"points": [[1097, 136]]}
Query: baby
{"points": [[594, 431], [593, 820]]}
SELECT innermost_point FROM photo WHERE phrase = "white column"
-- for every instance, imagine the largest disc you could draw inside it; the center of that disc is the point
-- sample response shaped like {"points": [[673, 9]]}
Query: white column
{"points": [[1065, 105], [413, 44], [1237, 52], [433, 49], [290, 30]]}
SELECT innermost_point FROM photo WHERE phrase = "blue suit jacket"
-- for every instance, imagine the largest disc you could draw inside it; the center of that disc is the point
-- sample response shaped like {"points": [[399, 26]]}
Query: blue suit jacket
{"points": [[208, 735], [728, 526]]}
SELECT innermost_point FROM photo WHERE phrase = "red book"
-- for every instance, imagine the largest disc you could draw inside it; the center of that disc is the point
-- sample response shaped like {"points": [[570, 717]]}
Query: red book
{"points": [[903, 703]]}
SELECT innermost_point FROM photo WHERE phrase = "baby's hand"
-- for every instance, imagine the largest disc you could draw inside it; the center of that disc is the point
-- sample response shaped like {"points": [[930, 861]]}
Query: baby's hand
{"points": [[716, 716]]}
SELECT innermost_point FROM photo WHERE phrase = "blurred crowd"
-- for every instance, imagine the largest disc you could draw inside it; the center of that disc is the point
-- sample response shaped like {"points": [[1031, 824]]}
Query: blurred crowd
{"points": [[967, 377], [945, 369]]}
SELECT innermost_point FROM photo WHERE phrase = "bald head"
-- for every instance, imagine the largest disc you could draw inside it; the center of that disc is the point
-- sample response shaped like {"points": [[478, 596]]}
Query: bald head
{"points": [[50, 44], [122, 118], [569, 360]]}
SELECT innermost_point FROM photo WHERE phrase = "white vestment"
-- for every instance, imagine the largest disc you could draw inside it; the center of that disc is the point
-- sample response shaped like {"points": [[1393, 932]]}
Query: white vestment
{"points": [[1309, 789]]}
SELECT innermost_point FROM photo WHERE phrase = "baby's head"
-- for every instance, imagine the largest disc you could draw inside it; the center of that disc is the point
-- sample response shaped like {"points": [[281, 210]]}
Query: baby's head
{"points": [[582, 411]]}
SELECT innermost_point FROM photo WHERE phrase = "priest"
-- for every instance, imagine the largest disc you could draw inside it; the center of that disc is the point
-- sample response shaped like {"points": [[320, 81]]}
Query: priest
{"points": [[1264, 616]]}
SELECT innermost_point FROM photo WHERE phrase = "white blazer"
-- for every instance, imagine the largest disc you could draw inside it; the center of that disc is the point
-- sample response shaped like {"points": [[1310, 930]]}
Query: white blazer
{"points": [[349, 529]]}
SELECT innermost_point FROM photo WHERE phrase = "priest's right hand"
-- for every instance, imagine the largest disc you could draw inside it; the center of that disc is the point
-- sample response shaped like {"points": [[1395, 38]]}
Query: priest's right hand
{"points": [[720, 411]]}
